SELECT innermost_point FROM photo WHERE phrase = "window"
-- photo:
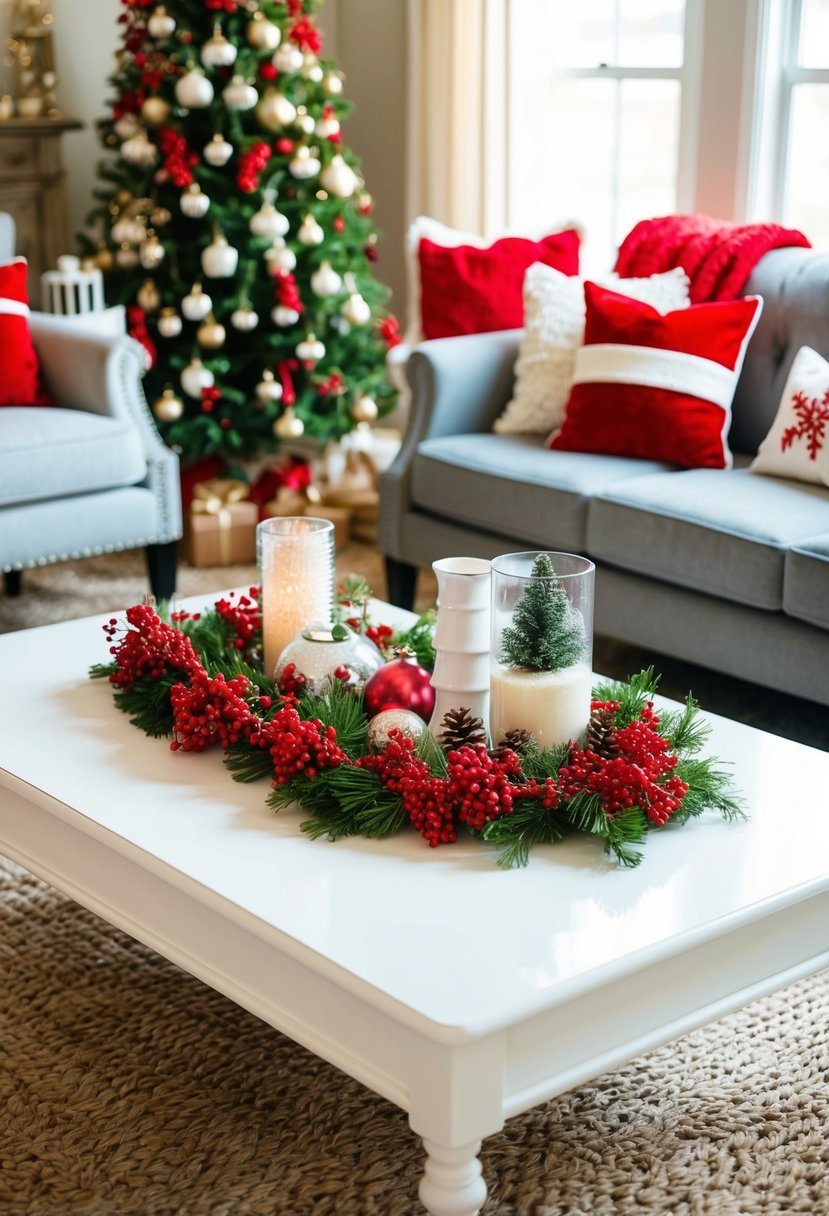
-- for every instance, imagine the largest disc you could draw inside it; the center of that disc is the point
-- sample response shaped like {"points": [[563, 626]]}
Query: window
{"points": [[803, 185]]}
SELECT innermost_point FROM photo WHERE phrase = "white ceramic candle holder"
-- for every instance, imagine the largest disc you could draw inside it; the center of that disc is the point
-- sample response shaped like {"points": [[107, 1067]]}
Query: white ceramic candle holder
{"points": [[461, 675]]}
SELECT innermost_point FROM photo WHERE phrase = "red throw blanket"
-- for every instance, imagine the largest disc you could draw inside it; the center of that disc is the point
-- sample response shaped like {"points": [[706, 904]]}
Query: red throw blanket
{"points": [[717, 256]]}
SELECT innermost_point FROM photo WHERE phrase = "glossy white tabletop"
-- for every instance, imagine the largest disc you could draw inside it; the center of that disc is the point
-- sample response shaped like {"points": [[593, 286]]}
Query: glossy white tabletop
{"points": [[444, 931]]}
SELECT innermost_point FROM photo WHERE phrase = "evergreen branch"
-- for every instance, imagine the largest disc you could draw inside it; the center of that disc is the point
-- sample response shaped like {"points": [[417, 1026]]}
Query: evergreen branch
{"points": [[586, 813], [340, 708], [632, 694], [629, 827], [515, 835], [419, 639], [539, 763], [148, 703], [687, 730], [100, 671], [709, 788], [246, 763]]}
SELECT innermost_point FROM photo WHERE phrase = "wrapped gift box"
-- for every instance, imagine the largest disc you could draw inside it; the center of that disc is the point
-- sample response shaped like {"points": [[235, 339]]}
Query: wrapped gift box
{"points": [[221, 525], [357, 492]]}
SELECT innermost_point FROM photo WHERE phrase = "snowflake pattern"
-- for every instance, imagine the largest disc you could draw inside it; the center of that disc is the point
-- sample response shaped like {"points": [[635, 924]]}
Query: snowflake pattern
{"points": [[813, 416]]}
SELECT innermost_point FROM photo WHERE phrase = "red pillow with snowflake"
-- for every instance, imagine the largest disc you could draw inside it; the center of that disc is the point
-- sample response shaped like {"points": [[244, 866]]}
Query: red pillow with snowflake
{"points": [[20, 380], [797, 444], [657, 386]]}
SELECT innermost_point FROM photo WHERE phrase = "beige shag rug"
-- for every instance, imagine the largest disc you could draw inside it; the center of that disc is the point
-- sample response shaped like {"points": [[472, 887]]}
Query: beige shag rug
{"points": [[128, 1088]]}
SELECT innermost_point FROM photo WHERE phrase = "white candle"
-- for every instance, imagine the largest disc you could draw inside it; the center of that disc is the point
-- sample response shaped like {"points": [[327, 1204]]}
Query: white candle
{"points": [[296, 571], [554, 706]]}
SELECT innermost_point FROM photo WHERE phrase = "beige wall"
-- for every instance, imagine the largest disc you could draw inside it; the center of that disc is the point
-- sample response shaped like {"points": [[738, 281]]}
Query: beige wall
{"points": [[365, 36]]}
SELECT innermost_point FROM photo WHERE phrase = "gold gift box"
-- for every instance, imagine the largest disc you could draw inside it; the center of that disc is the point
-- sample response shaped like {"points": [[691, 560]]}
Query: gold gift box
{"points": [[221, 526]]}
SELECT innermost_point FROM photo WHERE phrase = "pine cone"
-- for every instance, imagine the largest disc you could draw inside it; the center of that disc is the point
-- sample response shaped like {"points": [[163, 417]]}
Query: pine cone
{"points": [[601, 735], [461, 727], [514, 740]]}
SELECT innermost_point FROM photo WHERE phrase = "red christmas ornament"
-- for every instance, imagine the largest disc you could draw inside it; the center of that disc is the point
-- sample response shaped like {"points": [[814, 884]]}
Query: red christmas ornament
{"points": [[401, 684]]}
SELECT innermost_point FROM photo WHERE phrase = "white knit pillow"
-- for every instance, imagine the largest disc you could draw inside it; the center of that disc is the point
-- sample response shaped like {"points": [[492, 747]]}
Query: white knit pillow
{"points": [[553, 332], [797, 445]]}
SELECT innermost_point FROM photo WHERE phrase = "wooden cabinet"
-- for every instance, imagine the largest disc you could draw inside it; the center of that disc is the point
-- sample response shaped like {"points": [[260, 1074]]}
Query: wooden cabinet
{"points": [[32, 190]]}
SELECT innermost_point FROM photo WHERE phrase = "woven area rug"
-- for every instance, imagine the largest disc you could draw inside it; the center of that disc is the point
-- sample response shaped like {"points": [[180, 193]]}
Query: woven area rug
{"points": [[128, 1088]]}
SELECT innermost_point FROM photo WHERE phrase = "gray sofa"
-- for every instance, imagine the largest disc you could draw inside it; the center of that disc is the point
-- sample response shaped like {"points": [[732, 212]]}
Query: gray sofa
{"points": [[724, 568]]}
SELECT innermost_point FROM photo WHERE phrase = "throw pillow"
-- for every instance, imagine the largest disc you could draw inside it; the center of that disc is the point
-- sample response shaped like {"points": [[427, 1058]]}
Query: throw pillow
{"points": [[797, 444], [553, 332], [654, 386], [20, 382], [472, 290]]}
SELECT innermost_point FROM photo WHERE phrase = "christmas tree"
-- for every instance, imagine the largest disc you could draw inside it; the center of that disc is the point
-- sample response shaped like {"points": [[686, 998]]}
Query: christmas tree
{"points": [[237, 229], [546, 634]]}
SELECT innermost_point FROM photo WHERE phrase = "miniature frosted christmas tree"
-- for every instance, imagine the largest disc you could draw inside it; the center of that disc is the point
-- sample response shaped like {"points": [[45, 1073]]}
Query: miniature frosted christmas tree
{"points": [[236, 227], [545, 634]]}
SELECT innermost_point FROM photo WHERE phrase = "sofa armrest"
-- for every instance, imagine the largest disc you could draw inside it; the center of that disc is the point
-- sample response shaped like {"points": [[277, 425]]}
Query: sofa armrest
{"points": [[103, 375], [459, 386]]}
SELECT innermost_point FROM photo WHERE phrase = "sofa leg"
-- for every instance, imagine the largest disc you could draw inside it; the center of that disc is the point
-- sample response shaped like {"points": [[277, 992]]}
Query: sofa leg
{"points": [[13, 582], [400, 583], [161, 564]]}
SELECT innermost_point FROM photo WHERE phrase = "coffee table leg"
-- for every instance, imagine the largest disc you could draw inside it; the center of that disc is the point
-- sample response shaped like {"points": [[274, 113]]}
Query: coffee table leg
{"points": [[452, 1184]]}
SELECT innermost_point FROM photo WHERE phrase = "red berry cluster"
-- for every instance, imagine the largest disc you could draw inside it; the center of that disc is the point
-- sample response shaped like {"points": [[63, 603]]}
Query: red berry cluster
{"points": [[179, 158], [424, 798], [380, 635], [210, 711], [244, 616], [209, 396], [306, 35], [298, 746], [479, 784], [218, 6], [251, 165], [150, 648], [291, 681], [389, 331], [640, 775]]}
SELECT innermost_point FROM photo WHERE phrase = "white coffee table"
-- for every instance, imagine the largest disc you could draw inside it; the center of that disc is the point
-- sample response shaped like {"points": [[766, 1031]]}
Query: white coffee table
{"points": [[463, 993]]}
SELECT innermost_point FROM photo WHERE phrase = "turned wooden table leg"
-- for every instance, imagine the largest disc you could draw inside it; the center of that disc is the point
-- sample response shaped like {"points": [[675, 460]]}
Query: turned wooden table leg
{"points": [[452, 1184]]}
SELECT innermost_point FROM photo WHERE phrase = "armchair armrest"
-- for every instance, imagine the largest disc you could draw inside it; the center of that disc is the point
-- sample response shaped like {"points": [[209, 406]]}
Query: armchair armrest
{"points": [[103, 375]]}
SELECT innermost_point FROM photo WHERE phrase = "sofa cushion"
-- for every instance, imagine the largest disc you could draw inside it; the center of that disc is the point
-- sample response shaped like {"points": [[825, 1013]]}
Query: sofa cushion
{"points": [[722, 533], [511, 485], [797, 446], [806, 581], [51, 453]]}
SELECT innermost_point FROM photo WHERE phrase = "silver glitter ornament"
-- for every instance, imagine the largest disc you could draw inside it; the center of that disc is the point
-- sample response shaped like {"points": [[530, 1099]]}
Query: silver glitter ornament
{"points": [[381, 725]]}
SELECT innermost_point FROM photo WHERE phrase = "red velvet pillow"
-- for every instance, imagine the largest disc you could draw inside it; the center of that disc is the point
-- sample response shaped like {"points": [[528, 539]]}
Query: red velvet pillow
{"points": [[20, 382], [657, 385], [466, 290]]}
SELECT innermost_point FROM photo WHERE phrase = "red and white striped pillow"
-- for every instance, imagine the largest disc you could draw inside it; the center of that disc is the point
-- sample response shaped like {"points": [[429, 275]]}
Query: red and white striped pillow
{"points": [[657, 386], [20, 382]]}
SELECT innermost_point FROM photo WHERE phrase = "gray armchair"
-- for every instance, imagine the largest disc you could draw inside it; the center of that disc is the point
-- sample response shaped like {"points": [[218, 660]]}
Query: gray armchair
{"points": [[89, 475]]}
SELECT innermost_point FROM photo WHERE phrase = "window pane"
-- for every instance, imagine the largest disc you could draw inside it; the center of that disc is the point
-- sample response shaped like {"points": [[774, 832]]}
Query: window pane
{"points": [[814, 34], [622, 33], [611, 163], [807, 182]]}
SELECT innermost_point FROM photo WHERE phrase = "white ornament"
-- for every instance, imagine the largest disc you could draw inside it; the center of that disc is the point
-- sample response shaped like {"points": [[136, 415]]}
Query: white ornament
{"points": [[339, 178], [148, 296], [333, 83], [283, 316], [263, 34], [325, 281], [364, 409], [169, 323], [218, 152], [305, 123], [126, 257], [239, 95], [304, 164], [219, 260], [160, 23], [139, 150], [268, 389], [151, 253], [244, 319], [197, 304], [311, 69], [310, 232], [128, 231], [126, 126], [218, 52], [311, 350], [356, 311], [193, 90], [326, 127], [269, 222], [275, 111], [194, 202], [289, 58], [195, 377], [280, 259]]}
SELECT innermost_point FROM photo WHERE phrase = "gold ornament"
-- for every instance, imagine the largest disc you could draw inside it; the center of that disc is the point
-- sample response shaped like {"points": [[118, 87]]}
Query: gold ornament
{"points": [[168, 407], [263, 34], [104, 259], [88, 264], [148, 296], [123, 197], [155, 111], [159, 217], [151, 252], [364, 409], [211, 334], [126, 257], [288, 426]]}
